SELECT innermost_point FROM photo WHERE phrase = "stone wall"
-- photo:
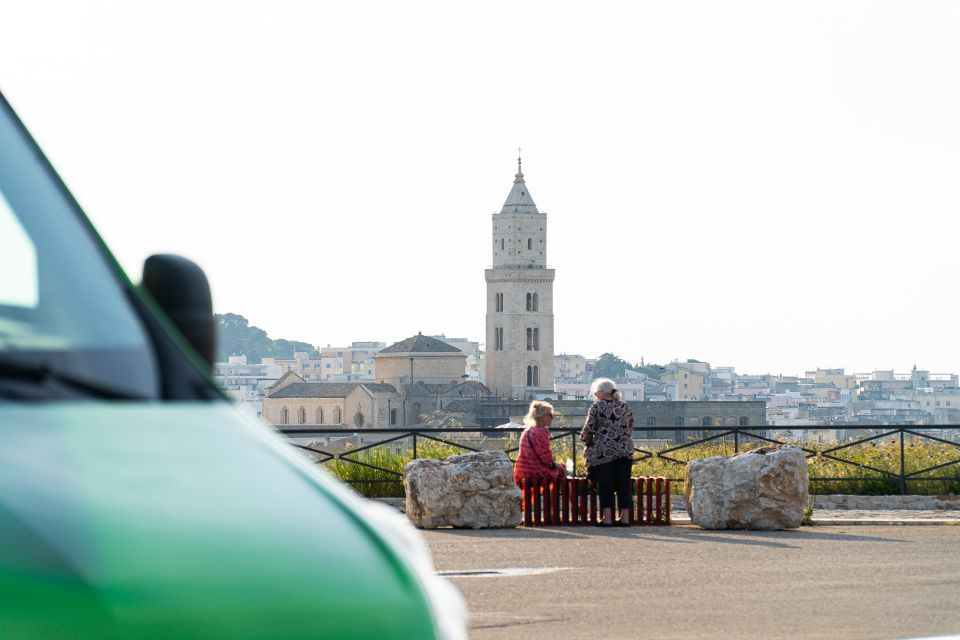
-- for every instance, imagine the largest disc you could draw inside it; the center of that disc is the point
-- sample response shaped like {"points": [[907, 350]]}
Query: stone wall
{"points": [[664, 415], [432, 368], [273, 410]]}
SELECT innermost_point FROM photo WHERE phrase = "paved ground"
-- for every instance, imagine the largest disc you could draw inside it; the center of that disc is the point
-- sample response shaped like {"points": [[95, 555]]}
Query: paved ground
{"points": [[685, 582]]}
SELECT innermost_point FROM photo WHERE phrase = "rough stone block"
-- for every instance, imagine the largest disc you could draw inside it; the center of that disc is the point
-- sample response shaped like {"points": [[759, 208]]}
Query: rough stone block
{"points": [[474, 490], [765, 491]]}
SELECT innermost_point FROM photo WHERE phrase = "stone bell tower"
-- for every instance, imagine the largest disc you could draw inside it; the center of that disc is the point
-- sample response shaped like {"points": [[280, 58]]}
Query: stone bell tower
{"points": [[519, 347]]}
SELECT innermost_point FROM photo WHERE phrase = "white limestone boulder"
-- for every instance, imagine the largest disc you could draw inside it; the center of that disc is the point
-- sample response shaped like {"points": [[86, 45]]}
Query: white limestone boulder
{"points": [[765, 490], [473, 490]]}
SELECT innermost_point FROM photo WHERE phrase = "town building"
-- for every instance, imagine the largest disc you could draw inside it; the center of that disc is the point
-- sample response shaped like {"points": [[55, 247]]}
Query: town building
{"points": [[246, 383], [568, 366], [631, 390], [691, 377], [472, 350]]}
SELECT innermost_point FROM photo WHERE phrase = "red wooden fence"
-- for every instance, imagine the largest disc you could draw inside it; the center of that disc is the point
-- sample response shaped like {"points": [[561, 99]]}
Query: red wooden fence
{"points": [[570, 502]]}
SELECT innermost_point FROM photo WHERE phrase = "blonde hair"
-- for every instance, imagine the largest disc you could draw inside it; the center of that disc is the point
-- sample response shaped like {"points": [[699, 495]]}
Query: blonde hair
{"points": [[537, 408], [605, 385]]}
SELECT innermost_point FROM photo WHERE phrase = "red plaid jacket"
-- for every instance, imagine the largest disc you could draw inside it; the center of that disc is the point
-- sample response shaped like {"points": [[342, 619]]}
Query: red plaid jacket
{"points": [[535, 459]]}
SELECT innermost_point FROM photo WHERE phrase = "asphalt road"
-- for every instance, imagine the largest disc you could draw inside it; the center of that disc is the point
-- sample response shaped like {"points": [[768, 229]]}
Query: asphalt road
{"points": [[685, 582]]}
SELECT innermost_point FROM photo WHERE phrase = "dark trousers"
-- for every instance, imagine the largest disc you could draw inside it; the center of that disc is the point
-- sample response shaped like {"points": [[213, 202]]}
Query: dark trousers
{"points": [[614, 476]]}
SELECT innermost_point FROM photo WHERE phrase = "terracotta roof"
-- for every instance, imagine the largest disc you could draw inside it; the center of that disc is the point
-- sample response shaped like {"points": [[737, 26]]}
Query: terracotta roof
{"points": [[421, 344]]}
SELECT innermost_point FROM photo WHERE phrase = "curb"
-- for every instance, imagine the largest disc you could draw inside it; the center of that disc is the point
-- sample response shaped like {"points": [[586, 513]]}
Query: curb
{"points": [[886, 522], [857, 522]]}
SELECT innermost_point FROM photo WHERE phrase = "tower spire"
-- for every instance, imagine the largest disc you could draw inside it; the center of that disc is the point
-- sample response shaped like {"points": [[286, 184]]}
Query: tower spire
{"points": [[519, 200]]}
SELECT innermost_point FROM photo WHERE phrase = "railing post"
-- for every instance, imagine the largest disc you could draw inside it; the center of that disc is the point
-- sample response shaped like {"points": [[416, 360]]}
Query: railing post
{"points": [[639, 518], [572, 500], [527, 507], [903, 472], [736, 441], [582, 491], [649, 500], [660, 518], [550, 503], [537, 519], [667, 507], [414, 445]]}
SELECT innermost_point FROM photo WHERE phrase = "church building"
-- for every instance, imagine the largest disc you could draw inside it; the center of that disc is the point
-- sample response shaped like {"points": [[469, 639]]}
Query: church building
{"points": [[415, 377], [519, 327]]}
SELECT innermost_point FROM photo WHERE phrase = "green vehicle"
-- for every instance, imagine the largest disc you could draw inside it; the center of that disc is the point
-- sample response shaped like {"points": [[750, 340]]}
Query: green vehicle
{"points": [[135, 500]]}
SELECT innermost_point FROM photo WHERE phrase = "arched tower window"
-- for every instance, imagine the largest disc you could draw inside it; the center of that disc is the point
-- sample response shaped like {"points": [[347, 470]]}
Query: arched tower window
{"points": [[302, 416], [284, 416], [532, 302], [533, 375], [499, 302], [529, 339], [337, 416], [498, 339], [319, 415], [393, 417], [501, 244], [529, 243], [536, 339]]}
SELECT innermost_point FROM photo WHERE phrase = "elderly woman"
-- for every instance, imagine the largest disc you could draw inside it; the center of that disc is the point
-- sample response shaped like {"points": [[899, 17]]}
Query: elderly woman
{"points": [[607, 434], [535, 458]]}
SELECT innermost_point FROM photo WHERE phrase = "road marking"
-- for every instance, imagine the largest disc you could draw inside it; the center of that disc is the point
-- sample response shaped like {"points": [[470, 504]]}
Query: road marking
{"points": [[498, 573]]}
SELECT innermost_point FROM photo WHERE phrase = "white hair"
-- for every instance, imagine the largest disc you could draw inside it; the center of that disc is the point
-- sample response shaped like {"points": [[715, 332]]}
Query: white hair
{"points": [[605, 385]]}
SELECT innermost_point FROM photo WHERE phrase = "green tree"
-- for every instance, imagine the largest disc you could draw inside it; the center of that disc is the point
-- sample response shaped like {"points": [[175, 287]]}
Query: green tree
{"points": [[235, 336], [610, 365], [285, 348]]}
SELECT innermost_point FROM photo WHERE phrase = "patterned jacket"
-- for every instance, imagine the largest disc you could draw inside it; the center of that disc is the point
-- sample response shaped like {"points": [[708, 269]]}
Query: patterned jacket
{"points": [[607, 432]]}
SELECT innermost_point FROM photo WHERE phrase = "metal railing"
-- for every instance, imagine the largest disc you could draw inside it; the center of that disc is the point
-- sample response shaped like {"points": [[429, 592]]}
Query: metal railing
{"points": [[892, 479]]}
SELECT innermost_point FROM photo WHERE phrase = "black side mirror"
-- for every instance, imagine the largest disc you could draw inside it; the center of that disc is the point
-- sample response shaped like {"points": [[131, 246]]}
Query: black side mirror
{"points": [[180, 289]]}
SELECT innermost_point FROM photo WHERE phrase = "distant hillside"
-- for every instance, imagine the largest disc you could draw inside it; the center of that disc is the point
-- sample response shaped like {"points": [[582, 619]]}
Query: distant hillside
{"points": [[236, 337]]}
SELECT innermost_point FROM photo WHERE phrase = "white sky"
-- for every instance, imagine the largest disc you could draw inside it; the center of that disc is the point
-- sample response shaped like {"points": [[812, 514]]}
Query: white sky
{"points": [[768, 185]]}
